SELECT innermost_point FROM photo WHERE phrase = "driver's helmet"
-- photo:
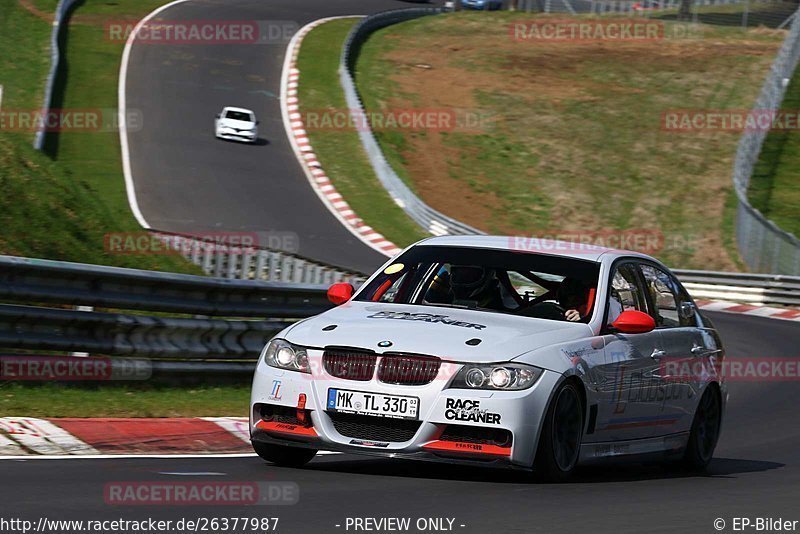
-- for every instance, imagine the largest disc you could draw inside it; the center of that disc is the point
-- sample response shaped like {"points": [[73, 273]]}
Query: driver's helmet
{"points": [[472, 282], [572, 294]]}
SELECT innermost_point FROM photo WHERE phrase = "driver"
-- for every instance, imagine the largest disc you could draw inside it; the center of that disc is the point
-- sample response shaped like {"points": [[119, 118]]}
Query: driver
{"points": [[475, 286], [573, 295]]}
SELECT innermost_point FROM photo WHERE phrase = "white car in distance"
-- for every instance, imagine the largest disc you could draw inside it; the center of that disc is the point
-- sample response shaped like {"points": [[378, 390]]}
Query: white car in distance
{"points": [[236, 124]]}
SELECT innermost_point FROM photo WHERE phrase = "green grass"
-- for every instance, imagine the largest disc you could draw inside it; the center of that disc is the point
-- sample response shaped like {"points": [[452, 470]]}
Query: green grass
{"points": [[53, 400], [60, 207], [573, 140], [340, 151], [775, 185]]}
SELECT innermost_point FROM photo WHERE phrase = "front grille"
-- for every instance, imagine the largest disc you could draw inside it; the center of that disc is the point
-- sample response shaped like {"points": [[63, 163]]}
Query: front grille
{"points": [[349, 364], [480, 435], [374, 428], [408, 370]]}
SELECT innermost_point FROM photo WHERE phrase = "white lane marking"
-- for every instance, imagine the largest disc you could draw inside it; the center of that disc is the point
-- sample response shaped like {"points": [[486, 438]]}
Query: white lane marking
{"points": [[146, 456], [122, 115], [238, 426], [43, 437]]}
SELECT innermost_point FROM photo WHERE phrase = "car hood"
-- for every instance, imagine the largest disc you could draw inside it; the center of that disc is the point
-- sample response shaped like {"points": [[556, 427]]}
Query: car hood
{"points": [[239, 125], [432, 330]]}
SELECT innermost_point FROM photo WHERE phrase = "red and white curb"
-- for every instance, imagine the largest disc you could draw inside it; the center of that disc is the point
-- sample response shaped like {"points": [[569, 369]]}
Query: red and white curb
{"points": [[298, 138], [29, 436], [786, 314]]}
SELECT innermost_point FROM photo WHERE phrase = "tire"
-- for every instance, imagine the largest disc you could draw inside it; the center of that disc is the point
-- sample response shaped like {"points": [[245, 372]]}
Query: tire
{"points": [[282, 455], [705, 430], [562, 432]]}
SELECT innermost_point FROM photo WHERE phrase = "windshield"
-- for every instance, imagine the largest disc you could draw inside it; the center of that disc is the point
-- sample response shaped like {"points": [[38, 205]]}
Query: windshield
{"points": [[510, 282], [239, 116]]}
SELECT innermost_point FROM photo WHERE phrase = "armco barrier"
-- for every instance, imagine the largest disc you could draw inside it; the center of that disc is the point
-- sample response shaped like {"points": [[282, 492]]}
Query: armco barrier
{"points": [[255, 263], [215, 324], [428, 218], [763, 245], [55, 57], [226, 335]]}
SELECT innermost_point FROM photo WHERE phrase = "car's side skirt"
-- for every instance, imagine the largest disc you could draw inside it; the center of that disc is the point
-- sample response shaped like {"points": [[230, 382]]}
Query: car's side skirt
{"points": [[672, 444]]}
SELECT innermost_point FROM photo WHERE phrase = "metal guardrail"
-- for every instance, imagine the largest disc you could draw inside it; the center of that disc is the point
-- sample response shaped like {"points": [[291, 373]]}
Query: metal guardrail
{"points": [[428, 218], [78, 284], [227, 335], [55, 57], [253, 262], [751, 288], [198, 325], [763, 245]]}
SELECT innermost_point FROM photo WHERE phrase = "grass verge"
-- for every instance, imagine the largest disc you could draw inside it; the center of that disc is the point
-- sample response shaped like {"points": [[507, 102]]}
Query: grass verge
{"points": [[339, 150], [61, 207], [570, 138], [775, 187], [53, 400]]}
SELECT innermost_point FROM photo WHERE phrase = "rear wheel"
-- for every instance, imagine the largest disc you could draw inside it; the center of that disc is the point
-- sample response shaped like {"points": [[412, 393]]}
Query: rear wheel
{"points": [[705, 430], [282, 455], [562, 433]]}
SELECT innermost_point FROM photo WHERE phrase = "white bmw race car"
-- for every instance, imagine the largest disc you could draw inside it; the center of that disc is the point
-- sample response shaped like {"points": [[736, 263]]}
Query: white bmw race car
{"points": [[497, 351]]}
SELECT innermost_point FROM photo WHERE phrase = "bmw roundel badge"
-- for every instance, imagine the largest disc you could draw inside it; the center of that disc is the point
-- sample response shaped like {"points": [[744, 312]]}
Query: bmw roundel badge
{"points": [[384, 344]]}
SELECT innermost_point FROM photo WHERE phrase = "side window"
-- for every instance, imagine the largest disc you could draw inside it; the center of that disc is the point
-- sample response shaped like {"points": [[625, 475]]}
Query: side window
{"points": [[662, 290], [625, 292]]}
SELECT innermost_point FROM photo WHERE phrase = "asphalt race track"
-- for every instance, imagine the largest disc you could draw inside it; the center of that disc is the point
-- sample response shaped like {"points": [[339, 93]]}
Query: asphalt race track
{"points": [[755, 473], [187, 181]]}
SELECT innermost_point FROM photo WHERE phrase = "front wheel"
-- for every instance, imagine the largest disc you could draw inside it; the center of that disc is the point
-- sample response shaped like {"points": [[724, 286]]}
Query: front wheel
{"points": [[282, 455], [562, 433], [705, 430]]}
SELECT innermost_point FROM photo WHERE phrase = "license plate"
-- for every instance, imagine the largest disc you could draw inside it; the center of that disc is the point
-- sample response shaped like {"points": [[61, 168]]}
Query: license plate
{"points": [[363, 403]]}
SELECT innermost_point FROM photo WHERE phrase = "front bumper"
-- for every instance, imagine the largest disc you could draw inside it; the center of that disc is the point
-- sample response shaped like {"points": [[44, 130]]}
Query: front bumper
{"points": [[439, 434], [247, 137]]}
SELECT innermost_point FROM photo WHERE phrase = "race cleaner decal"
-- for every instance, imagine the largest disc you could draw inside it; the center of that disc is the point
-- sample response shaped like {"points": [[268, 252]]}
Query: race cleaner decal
{"points": [[425, 317], [469, 410]]}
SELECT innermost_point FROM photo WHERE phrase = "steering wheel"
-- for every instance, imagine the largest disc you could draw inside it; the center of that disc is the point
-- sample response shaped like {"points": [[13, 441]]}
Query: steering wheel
{"points": [[541, 298], [546, 310]]}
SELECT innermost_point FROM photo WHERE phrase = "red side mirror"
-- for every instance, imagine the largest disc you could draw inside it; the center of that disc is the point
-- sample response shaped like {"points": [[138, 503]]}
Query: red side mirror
{"points": [[340, 293], [634, 322]]}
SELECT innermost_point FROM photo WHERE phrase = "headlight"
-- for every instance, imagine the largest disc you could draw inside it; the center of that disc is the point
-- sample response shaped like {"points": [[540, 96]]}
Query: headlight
{"points": [[283, 355], [501, 376]]}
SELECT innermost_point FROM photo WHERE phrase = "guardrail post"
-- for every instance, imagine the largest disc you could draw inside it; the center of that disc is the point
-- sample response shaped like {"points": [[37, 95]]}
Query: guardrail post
{"points": [[286, 269], [246, 259], [261, 259]]}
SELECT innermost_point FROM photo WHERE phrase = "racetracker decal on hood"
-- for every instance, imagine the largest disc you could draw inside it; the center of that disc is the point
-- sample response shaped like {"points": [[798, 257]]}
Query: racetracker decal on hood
{"points": [[425, 317]]}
